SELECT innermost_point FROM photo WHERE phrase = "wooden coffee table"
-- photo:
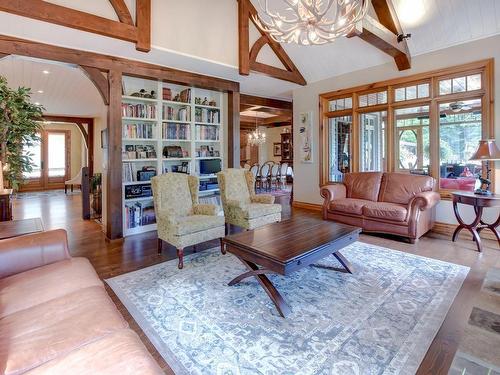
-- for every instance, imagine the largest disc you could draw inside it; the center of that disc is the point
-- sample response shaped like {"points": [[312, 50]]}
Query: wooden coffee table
{"points": [[286, 247]]}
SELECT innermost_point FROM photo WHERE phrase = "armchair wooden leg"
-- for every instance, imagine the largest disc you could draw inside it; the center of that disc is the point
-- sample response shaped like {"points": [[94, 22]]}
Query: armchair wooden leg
{"points": [[65, 189], [160, 245], [226, 229], [180, 255], [222, 247], [71, 187]]}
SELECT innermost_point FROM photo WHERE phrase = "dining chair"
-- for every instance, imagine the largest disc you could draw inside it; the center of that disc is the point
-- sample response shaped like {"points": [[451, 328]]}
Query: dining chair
{"points": [[283, 174], [274, 176]]}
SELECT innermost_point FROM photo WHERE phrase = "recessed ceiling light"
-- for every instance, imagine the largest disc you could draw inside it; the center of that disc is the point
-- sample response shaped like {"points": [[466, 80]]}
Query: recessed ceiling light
{"points": [[37, 103], [45, 72], [40, 91]]}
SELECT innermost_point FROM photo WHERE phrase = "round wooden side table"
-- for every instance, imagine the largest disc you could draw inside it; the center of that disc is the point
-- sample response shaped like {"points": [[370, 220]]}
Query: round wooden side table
{"points": [[477, 225]]}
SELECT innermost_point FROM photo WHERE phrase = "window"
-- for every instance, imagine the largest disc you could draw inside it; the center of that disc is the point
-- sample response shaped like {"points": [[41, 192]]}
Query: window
{"points": [[339, 140], [411, 92], [412, 139], [34, 151], [340, 104], [372, 141], [373, 98], [460, 84], [460, 129], [429, 123]]}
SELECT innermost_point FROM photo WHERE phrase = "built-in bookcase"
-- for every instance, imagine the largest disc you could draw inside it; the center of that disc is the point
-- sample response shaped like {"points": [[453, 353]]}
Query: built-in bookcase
{"points": [[188, 120]]}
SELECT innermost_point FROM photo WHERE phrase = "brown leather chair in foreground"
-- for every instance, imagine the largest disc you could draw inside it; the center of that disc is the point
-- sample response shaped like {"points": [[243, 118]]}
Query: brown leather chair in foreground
{"points": [[56, 317], [394, 203]]}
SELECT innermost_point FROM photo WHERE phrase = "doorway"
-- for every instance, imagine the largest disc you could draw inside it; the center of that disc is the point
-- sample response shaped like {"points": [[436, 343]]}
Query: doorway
{"points": [[51, 156]]}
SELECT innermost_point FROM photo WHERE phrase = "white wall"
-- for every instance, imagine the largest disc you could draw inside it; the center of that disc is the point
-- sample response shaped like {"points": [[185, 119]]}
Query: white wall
{"points": [[306, 182], [273, 135]]}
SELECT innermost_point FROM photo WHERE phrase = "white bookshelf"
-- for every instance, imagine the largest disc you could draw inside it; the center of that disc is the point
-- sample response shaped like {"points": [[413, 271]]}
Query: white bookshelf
{"points": [[155, 123]]}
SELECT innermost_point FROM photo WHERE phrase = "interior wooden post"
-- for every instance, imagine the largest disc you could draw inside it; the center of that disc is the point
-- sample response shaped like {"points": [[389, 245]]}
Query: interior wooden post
{"points": [[233, 129], [114, 225]]}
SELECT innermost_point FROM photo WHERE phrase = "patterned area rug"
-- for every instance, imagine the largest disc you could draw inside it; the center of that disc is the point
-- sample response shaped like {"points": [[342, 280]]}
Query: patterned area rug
{"points": [[379, 320]]}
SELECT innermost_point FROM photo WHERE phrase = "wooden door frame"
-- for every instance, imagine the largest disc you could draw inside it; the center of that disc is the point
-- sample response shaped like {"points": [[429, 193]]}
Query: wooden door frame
{"points": [[45, 183], [107, 72], [87, 134]]}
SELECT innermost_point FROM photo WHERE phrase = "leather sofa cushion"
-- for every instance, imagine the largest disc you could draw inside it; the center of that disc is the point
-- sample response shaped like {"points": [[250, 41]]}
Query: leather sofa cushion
{"points": [[401, 187], [386, 211], [348, 206], [119, 353], [363, 185], [41, 333], [39, 285], [196, 223], [254, 210]]}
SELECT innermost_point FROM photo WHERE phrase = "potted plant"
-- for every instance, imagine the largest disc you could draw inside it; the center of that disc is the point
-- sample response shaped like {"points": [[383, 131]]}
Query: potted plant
{"points": [[19, 127]]}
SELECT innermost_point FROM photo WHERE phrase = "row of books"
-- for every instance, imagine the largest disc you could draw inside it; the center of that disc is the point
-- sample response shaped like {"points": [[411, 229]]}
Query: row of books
{"points": [[175, 131], [138, 130], [138, 152], [207, 133], [207, 115], [139, 213], [178, 114], [140, 110]]}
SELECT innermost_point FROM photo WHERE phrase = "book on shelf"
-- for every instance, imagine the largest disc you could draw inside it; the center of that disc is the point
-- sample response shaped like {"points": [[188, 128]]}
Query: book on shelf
{"points": [[175, 131], [176, 114], [140, 110], [138, 152], [207, 133], [137, 130], [139, 214], [185, 95], [207, 115]]}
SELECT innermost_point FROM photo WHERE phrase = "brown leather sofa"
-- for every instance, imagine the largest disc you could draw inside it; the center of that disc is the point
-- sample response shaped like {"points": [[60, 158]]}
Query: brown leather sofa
{"points": [[393, 203], [56, 317]]}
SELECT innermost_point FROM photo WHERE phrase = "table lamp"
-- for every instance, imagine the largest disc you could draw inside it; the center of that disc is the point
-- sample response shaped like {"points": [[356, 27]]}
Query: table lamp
{"points": [[487, 151]]}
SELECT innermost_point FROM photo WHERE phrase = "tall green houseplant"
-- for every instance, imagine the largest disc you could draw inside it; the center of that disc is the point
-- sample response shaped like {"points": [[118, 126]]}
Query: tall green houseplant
{"points": [[19, 127]]}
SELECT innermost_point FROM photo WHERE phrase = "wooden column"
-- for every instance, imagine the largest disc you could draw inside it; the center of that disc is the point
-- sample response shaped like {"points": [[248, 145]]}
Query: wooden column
{"points": [[114, 224], [233, 129]]}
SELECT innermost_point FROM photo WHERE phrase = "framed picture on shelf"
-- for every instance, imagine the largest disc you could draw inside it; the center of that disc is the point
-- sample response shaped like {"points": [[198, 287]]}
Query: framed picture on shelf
{"points": [[277, 149]]}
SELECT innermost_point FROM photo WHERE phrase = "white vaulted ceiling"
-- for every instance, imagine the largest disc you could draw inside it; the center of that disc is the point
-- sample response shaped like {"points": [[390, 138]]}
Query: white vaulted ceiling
{"points": [[66, 90], [201, 36]]}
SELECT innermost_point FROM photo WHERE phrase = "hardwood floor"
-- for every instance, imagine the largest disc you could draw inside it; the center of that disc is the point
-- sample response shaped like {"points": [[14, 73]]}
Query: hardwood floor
{"points": [[114, 258]]}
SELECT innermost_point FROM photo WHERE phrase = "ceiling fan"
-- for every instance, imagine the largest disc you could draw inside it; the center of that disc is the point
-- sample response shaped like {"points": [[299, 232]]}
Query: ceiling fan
{"points": [[459, 106]]}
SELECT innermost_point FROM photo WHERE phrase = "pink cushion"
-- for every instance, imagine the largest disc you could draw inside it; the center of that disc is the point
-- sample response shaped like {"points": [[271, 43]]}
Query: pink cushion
{"points": [[119, 353], [42, 284], [387, 211], [464, 184], [348, 205], [41, 333]]}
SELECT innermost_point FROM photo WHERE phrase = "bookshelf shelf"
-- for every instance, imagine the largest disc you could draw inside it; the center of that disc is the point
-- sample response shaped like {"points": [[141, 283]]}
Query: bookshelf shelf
{"points": [[128, 98], [138, 140], [206, 106], [207, 123], [137, 160], [160, 132], [139, 119]]}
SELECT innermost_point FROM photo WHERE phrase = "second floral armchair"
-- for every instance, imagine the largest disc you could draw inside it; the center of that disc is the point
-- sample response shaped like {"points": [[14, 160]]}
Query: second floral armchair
{"points": [[242, 207]]}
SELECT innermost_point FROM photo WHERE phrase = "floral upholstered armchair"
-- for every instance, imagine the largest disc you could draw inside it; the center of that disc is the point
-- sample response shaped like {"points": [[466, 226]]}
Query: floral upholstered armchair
{"points": [[242, 207], [181, 220]]}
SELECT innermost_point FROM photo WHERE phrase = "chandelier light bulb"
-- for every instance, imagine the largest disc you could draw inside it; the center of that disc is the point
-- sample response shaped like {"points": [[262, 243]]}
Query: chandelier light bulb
{"points": [[309, 22]]}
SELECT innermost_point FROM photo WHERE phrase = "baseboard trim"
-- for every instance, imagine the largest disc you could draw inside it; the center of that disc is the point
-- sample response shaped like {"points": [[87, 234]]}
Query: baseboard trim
{"points": [[448, 229], [307, 206]]}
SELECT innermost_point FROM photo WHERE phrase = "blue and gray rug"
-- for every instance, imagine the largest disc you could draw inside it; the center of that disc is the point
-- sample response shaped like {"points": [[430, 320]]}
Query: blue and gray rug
{"points": [[379, 320]]}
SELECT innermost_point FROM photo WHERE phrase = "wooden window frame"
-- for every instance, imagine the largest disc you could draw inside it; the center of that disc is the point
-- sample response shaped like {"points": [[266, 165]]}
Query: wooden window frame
{"points": [[486, 94]]}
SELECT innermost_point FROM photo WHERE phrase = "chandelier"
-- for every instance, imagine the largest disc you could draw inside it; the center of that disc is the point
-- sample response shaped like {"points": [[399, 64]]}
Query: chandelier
{"points": [[309, 22], [256, 137]]}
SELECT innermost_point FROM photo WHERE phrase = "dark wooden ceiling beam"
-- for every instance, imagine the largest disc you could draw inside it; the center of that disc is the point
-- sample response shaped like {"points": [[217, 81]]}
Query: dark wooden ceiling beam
{"points": [[248, 57], [64, 16], [379, 36], [251, 100], [388, 18], [122, 11]]}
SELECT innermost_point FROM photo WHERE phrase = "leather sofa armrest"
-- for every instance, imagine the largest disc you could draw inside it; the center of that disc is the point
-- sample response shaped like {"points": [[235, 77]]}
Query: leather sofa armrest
{"points": [[334, 191], [263, 198], [30, 251], [206, 209], [425, 200]]}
